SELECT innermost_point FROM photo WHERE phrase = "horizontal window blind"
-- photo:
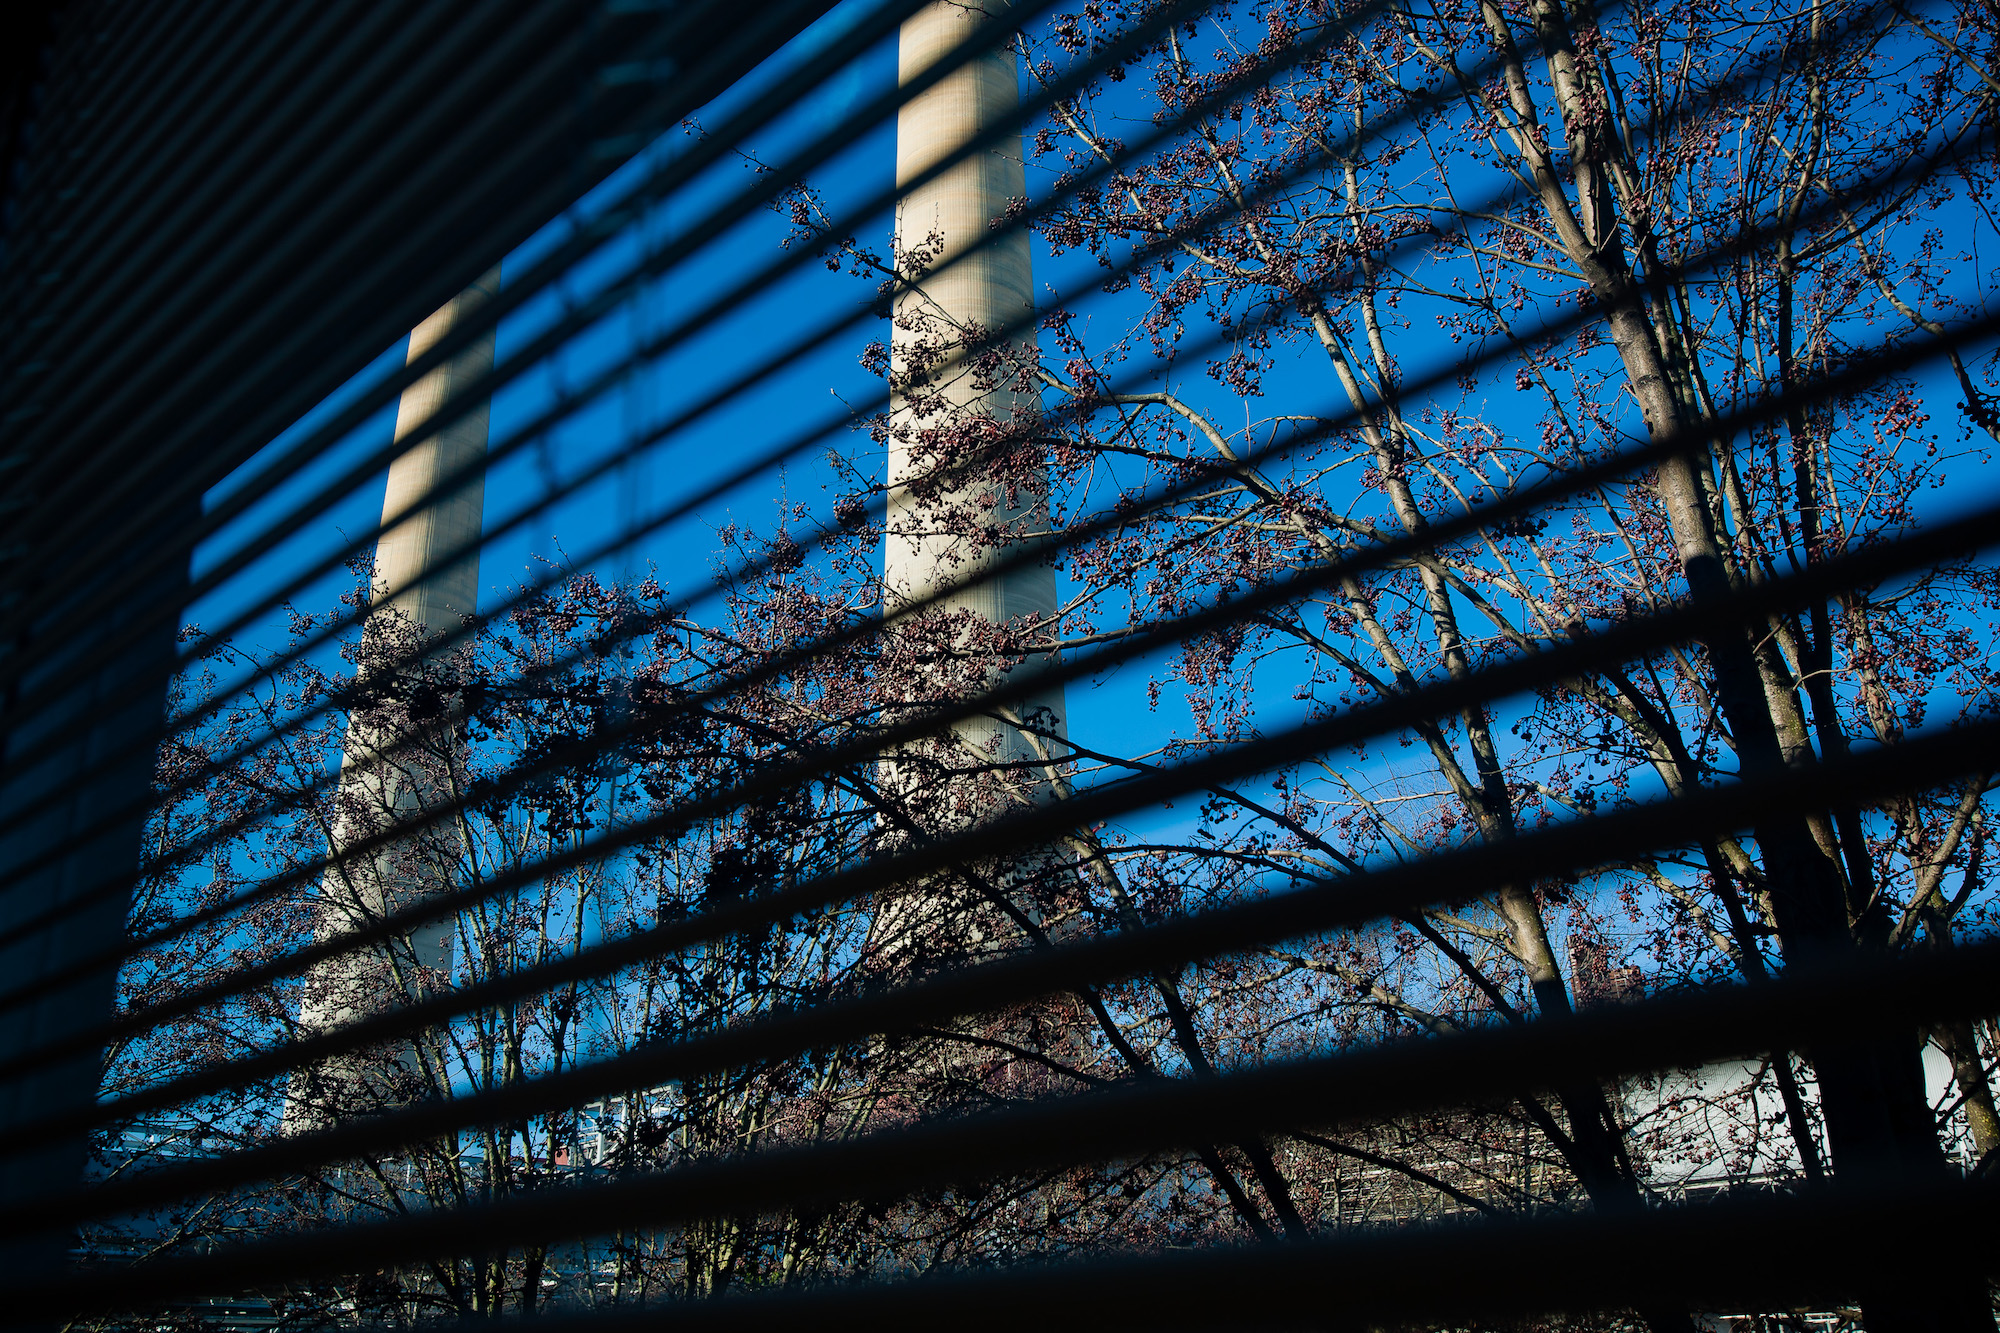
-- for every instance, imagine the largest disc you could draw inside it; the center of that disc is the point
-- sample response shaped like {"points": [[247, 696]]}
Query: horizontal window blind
{"points": [[1148, 665]]}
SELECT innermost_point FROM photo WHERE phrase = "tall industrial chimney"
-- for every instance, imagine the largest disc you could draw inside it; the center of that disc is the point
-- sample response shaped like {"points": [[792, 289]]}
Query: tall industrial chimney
{"points": [[399, 751], [947, 414]]}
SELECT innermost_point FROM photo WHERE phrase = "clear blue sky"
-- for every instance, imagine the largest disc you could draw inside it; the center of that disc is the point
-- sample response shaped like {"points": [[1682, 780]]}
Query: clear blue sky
{"points": [[646, 395], [1109, 714]]}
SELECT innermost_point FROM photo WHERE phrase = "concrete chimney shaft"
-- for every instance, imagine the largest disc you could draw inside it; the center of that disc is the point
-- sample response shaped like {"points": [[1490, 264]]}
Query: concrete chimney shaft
{"points": [[992, 285], [411, 555], [390, 772]]}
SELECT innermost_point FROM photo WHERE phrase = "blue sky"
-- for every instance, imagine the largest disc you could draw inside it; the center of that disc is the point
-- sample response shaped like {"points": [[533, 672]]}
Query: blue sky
{"points": [[642, 397], [1107, 714], [811, 389]]}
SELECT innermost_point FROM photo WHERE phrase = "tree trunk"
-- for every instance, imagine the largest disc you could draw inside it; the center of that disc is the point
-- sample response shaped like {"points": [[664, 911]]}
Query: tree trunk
{"points": [[1878, 1122]]}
